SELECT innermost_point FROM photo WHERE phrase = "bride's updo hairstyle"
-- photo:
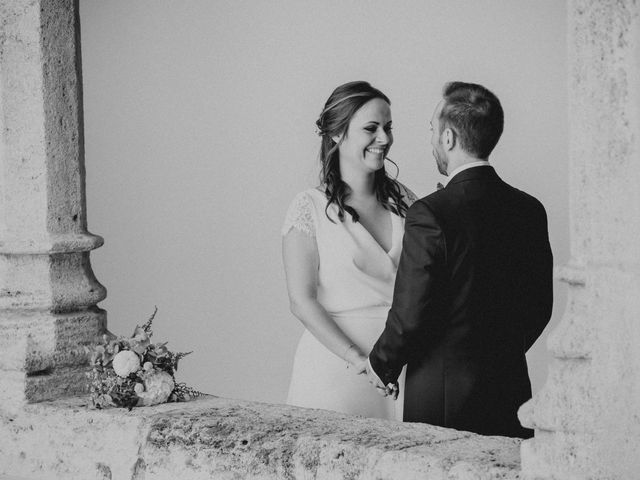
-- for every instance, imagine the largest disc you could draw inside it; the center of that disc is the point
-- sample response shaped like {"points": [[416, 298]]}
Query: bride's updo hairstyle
{"points": [[334, 120]]}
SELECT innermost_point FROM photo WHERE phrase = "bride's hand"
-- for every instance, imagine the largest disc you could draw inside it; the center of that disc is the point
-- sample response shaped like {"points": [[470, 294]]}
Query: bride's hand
{"points": [[361, 366], [355, 359]]}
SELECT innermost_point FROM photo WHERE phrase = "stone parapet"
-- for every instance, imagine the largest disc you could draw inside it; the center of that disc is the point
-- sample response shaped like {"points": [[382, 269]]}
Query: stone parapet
{"points": [[219, 438]]}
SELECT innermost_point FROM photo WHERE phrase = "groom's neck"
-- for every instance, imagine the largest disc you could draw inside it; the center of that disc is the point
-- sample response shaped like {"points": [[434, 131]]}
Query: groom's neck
{"points": [[459, 158]]}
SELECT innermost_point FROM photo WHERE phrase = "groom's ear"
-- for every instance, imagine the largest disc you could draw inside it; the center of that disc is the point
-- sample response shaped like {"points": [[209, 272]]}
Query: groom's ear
{"points": [[448, 139]]}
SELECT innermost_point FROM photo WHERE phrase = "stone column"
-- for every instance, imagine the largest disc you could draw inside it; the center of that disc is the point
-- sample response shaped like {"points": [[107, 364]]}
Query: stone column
{"points": [[587, 416], [48, 293]]}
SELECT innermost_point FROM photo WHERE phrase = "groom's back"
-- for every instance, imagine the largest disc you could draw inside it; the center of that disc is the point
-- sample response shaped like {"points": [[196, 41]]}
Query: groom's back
{"points": [[497, 295], [498, 257]]}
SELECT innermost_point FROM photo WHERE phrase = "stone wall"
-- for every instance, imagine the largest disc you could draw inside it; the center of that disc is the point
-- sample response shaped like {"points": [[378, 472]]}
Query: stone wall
{"points": [[229, 439]]}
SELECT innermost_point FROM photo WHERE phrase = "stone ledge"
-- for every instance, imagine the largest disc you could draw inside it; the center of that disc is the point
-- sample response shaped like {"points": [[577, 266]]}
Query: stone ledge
{"points": [[229, 439], [51, 244]]}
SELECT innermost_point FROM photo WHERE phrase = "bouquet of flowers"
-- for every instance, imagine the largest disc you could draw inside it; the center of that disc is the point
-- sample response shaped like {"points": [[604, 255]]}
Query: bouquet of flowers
{"points": [[129, 372]]}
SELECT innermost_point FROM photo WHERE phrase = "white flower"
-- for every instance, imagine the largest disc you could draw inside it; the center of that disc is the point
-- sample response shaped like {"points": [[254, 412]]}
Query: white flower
{"points": [[148, 366], [158, 386], [138, 388], [125, 363]]}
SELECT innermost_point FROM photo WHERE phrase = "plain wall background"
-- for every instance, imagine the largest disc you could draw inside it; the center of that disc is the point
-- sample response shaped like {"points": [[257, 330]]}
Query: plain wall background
{"points": [[199, 131]]}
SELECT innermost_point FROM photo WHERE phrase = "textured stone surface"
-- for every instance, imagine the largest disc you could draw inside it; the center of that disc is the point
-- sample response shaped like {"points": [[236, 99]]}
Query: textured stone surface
{"points": [[48, 292], [587, 416], [219, 438]]}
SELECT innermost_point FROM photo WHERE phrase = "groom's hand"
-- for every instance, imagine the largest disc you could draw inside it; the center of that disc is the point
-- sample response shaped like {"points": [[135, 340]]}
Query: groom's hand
{"points": [[392, 389], [384, 390]]}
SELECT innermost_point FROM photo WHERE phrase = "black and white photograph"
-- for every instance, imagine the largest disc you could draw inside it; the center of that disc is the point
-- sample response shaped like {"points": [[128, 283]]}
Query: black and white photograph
{"points": [[319, 239]]}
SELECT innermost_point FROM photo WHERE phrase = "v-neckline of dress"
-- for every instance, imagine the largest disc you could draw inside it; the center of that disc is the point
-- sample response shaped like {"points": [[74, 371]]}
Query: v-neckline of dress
{"points": [[394, 228]]}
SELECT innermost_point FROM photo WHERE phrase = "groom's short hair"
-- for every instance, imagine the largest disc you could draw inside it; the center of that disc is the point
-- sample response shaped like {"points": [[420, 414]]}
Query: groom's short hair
{"points": [[474, 114]]}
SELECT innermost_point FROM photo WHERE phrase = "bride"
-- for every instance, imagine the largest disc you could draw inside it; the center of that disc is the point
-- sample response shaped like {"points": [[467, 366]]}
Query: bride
{"points": [[341, 246]]}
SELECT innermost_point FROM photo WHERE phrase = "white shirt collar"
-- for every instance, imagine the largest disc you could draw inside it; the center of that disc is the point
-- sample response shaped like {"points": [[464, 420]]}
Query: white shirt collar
{"points": [[466, 166]]}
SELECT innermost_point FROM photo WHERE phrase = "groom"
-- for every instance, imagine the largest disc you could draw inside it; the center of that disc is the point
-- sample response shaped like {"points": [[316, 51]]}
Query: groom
{"points": [[474, 285]]}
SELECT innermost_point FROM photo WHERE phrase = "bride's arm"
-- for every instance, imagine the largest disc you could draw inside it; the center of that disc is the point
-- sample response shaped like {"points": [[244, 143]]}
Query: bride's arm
{"points": [[301, 262]]}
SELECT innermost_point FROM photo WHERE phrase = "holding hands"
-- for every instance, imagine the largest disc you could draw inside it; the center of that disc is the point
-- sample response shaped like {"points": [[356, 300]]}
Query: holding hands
{"points": [[391, 389], [357, 361]]}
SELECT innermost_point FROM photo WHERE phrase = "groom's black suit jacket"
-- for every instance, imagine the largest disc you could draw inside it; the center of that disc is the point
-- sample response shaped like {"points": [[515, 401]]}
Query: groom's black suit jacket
{"points": [[473, 292]]}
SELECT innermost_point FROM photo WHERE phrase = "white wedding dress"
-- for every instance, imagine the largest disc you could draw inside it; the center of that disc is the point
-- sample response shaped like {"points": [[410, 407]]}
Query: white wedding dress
{"points": [[355, 286]]}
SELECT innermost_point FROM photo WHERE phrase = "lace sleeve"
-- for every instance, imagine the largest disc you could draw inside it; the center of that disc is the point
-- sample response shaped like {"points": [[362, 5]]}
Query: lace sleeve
{"points": [[408, 196], [300, 216]]}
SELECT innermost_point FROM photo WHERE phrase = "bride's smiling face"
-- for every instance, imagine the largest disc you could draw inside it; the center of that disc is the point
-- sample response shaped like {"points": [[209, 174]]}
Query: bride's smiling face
{"points": [[368, 138]]}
